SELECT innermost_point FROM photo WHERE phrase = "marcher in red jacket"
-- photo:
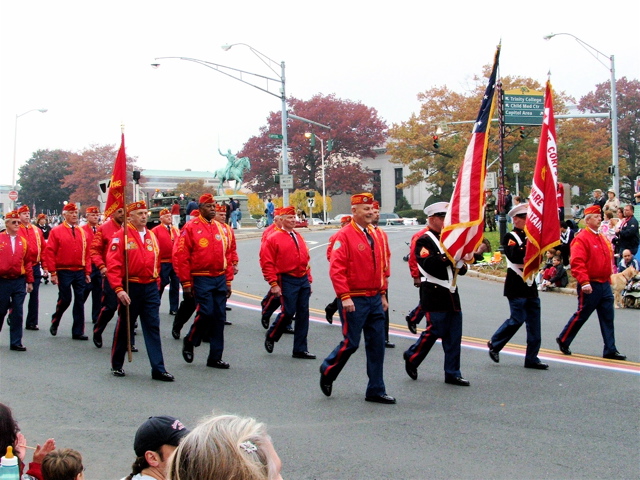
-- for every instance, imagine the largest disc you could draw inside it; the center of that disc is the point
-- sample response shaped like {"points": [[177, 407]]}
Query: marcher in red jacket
{"points": [[37, 243], [98, 250], [139, 290], [94, 288], [357, 271], [16, 277], [591, 265], [202, 260], [67, 259], [167, 234], [284, 259]]}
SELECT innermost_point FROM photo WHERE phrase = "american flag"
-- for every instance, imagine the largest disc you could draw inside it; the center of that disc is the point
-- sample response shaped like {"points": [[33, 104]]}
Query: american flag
{"points": [[464, 224], [543, 224]]}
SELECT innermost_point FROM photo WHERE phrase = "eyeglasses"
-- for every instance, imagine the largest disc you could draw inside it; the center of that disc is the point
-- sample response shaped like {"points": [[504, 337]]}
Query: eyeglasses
{"points": [[440, 215]]}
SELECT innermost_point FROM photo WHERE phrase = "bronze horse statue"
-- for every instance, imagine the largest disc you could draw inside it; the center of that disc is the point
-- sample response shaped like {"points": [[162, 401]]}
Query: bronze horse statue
{"points": [[232, 171]]}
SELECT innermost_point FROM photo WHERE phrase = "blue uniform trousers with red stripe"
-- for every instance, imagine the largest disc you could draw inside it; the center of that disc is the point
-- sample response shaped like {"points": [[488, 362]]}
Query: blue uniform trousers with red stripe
{"points": [[211, 299], [168, 277], [523, 310], [145, 304], [600, 300], [68, 280], [294, 300], [12, 294], [33, 304], [448, 327], [368, 318], [94, 288]]}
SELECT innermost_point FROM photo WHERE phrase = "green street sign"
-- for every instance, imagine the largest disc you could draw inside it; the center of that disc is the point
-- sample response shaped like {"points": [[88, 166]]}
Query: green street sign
{"points": [[275, 136], [523, 107]]}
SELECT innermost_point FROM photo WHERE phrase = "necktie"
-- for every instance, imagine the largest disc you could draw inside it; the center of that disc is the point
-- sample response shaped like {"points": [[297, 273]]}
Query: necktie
{"points": [[369, 238], [94, 230], [73, 231], [293, 235]]}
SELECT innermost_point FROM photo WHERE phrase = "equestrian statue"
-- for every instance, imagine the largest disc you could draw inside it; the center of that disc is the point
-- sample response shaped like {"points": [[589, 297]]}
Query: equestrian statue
{"points": [[234, 170]]}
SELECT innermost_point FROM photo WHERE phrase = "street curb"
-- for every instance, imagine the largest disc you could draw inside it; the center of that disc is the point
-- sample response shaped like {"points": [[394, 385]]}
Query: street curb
{"points": [[494, 278]]}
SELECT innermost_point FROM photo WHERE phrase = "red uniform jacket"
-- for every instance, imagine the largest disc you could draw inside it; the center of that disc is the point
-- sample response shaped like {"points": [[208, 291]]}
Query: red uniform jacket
{"points": [[355, 269], [381, 236], [232, 244], [591, 258], [279, 254], [100, 244], [166, 240], [35, 241], [202, 250], [413, 263], [66, 251], [88, 229], [14, 264], [143, 258]]}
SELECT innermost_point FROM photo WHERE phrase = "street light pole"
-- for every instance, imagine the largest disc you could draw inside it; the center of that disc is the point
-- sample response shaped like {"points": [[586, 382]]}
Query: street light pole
{"points": [[15, 144], [324, 191], [614, 105], [238, 75]]}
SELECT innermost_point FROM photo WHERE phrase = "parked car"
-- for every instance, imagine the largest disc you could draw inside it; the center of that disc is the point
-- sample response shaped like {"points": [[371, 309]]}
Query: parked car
{"points": [[336, 220], [316, 221], [390, 219], [301, 223], [410, 221]]}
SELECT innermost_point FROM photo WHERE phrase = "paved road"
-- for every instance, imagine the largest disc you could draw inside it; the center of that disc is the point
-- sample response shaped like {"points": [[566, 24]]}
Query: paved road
{"points": [[577, 420]]}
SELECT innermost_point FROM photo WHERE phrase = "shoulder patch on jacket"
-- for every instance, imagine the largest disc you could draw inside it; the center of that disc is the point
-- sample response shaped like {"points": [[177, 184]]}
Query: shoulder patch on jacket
{"points": [[336, 245], [511, 243], [424, 252]]}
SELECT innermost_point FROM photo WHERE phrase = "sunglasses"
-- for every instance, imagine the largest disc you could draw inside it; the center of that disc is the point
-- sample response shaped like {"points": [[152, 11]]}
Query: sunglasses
{"points": [[440, 215], [522, 215]]}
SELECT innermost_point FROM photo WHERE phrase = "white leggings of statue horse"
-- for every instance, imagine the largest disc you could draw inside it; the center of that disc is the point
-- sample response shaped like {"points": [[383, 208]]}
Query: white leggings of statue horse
{"points": [[234, 171]]}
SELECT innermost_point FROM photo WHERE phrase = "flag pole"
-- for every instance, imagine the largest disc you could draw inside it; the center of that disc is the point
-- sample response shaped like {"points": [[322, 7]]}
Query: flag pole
{"points": [[125, 283]]}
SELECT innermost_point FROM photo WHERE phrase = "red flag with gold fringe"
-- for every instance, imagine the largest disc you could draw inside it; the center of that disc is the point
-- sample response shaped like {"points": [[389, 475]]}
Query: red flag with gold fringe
{"points": [[115, 196]]}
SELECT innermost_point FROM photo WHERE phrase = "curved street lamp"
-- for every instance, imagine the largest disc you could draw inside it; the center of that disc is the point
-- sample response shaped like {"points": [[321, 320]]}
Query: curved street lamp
{"points": [[15, 141], [614, 104], [238, 74]]}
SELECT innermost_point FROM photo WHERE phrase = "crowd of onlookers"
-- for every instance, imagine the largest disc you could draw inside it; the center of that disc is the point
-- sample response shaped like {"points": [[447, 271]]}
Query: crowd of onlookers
{"points": [[220, 446]]}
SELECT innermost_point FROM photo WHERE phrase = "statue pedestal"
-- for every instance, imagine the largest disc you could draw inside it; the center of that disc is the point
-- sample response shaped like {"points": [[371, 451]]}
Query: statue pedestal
{"points": [[246, 216]]}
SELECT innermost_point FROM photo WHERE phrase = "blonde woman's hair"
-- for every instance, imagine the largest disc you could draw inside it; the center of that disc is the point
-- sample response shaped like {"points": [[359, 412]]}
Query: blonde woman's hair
{"points": [[223, 447]]}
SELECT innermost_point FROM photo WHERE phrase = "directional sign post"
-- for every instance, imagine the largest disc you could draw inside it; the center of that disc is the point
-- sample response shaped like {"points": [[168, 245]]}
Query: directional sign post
{"points": [[286, 181], [13, 195], [275, 136], [523, 107], [311, 202]]}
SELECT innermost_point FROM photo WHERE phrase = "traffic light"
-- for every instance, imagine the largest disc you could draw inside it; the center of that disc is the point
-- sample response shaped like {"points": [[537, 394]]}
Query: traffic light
{"points": [[311, 194], [611, 169], [435, 142], [312, 138], [522, 135], [330, 145]]}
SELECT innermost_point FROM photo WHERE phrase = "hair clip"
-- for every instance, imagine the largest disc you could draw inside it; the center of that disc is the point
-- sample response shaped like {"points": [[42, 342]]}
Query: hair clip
{"points": [[248, 447]]}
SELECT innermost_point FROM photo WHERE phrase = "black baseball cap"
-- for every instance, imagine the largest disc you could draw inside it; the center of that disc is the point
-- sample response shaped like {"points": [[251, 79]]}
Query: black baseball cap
{"points": [[158, 431]]}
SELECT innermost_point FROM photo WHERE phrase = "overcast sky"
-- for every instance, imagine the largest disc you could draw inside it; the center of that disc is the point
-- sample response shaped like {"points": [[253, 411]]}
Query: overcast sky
{"points": [[88, 63]]}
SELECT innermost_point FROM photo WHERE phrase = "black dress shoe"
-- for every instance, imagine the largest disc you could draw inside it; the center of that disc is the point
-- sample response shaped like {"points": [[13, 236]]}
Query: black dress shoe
{"points": [[162, 376], [172, 312], [187, 350], [325, 384], [389, 344], [328, 313], [226, 322], [563, 348], [459, 381], [79, 337], [495, 355], [413, 328], [134, 349], [615, 356], [387, 399], [537, 366], [175, 332], [218, 364], [18, 348], [32, 327], [289, 330], [305, 355], [268, 345], [53, 330], [410, 369], [117, 372], [228, 309], [265, 322], [97, 340]]}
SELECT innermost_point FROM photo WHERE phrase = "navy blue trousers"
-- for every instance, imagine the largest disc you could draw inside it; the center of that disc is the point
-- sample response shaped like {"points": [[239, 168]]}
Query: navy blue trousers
{"points": [[71, 280], [600, 300], [12, 295], [94, 288], [294, 301], [211, 299], [446, 326], [145, 304], [168, 277], [523, 310], [109, 306], [368, 318], [33, 304]]}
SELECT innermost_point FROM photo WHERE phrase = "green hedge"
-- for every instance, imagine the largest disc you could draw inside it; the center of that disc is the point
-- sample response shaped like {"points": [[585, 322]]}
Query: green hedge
{"points": [[419, 214]]}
